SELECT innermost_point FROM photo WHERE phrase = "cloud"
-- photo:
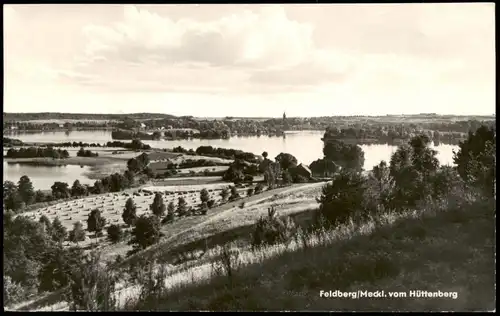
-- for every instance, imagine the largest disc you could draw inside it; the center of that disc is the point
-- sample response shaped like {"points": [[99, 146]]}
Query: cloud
{"points": [[252, 39], [248, 47]]}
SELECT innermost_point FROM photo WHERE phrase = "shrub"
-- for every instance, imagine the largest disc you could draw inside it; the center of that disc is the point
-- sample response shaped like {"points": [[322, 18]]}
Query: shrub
{"points": [[476, 159], [129, 214], [204, 208], [58, 231], [224, 194], [258, 188], [115, 233], [78, 233], [249, 191], [234, 194], [158, 207], [146, 232], [92, 287], [343, 198], [13, 292], [182, 207], [272, 230], [210, 203], [96, 222], [204, 195]]}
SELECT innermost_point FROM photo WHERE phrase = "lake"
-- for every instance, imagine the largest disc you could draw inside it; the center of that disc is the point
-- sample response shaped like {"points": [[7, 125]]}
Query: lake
{"points": [[43, 177], [306, 146]]}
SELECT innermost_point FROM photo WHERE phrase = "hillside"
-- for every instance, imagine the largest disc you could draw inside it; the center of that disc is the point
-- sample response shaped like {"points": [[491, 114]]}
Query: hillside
{"points": [[46, 116], [418, 251]]}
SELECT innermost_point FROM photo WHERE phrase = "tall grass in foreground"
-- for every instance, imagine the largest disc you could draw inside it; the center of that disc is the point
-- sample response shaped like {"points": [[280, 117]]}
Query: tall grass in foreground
{"points": [[385, 248]]}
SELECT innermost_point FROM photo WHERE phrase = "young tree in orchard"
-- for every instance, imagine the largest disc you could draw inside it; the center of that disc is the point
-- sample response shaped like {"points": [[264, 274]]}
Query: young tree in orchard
{"points": [[96, 222], [170, 211], [115, 233], [204, 195], [182, 206], [129, 214], [58, 231], [44, 220], [224, 194], [158, 207], [234, 194], [78, 233], [26, 190], [146, 232]]}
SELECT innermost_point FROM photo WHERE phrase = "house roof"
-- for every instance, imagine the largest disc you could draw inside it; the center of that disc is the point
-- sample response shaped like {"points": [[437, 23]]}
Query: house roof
{"points": [[306, 168], [161, 155]]}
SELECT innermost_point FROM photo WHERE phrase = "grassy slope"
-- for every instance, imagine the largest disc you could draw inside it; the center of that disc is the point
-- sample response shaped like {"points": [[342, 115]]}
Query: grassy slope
{"points": [[447, 251], [188, 233]]}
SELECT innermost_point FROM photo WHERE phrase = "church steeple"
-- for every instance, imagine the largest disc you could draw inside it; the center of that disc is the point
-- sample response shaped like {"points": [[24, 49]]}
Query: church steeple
{"points": [[284, 116]]}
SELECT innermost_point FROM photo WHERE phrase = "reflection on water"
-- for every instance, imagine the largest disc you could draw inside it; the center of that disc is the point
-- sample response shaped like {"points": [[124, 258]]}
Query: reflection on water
{"points": [[62, 136], [306, 146], [43, 177]]}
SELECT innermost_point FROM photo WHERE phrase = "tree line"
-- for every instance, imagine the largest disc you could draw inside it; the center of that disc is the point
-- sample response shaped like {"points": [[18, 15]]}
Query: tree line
{"points": [[37, 152]]}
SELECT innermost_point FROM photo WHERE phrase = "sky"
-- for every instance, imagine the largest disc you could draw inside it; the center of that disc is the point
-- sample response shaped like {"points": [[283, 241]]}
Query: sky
{"points": [[250, 60]]}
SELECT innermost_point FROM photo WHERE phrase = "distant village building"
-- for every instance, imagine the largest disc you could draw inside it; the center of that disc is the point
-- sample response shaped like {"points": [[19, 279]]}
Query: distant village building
{"points": [[285, 121], [143, 125], [303, 170]]}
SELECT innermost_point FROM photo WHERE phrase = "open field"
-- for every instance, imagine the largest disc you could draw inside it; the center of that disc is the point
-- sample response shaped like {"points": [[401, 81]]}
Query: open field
{"points": [[188, 181], [202, 169]]}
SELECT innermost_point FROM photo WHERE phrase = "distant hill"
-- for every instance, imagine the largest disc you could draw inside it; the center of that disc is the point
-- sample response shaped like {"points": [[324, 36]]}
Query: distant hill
{"points": [[81, 116]]}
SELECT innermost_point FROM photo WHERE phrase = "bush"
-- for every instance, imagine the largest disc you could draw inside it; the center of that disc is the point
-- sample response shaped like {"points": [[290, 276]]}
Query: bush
{"points": [[182, 208], [96, 222], [476, 160], [129, 214], [224, 194], [78, 233], [13, 292], [115, 233], [158, 207], [258, 188], [210, 203], [92, 287], [249, 191], [343, 198], [204, 208], [58, 231], [204, 195], [234, 194], [146, 232], [272, 230]]}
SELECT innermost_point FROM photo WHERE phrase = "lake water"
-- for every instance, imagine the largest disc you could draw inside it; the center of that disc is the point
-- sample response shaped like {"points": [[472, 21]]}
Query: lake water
{"points": [[43, 177], [306, 146]]}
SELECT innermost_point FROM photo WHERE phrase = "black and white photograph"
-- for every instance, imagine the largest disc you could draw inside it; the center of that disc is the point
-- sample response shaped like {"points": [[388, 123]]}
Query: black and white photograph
{"points": [[314, 157]]}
